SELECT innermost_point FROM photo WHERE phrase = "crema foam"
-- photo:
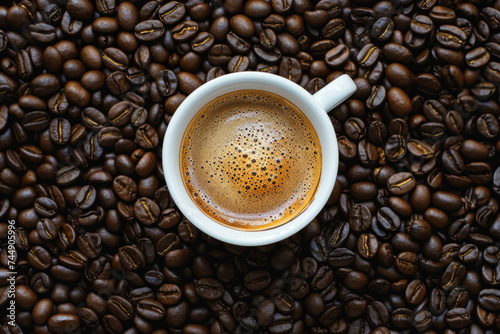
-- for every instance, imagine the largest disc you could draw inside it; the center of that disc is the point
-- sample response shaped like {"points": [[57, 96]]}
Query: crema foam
{"points": [[251, 160]]}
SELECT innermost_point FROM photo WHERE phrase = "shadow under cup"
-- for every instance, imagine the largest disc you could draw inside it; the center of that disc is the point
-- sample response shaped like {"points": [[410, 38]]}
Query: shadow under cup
{"points": [[284, 88]]}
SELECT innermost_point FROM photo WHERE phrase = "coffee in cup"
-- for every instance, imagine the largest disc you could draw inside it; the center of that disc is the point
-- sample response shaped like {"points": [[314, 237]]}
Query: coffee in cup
{"points": [[251, 160]]}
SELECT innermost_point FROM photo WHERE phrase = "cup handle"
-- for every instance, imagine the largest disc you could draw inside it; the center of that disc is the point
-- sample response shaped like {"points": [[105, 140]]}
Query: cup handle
{"points": [[335, 92]]}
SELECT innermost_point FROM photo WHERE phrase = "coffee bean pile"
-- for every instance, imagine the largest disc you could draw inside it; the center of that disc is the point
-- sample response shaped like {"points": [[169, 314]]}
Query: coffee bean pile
{"points": [[409, 241]]}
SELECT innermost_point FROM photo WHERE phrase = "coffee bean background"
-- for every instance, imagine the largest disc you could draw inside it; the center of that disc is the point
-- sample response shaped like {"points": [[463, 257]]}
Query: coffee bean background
{"points": [[409, 241]]}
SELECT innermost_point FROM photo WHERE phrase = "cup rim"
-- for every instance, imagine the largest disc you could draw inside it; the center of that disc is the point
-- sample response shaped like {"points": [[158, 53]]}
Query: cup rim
{"points": [[233, 82]]}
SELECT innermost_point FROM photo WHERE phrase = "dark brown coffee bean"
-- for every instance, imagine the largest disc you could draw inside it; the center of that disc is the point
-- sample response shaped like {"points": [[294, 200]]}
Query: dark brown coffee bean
{"points": [[388, 219], [73, 259], [185, 31], [202, 42], [60, 131], [115, 59], [150, 309], [421, 25], [237, 44], [169, 294], [149, 30], [146, 211], [209, 288], [377, 97], [108, 136], [242, 25], [491, 15], [337, 56], [488, 299], [479, 172], [46, 229], [415, 292], [399, 102], [120, 308], [36, 121], [131, 257], [442, 14], [219, 55], [39, 258], [451, 37], [120, 113], [382, 29], [85, 198], [238, 64], [45, 207], [477, 57], [367, 245], [60, 323], [397, 53], [90, 245], [166, 82], [487, 126], [406, 263], [172, 12], [271, 56], [268, 39], [188, 82], [146, 137], [453, 276], [457, 318], [377, 314], [368, 55], [401, 183], [359, 217]]}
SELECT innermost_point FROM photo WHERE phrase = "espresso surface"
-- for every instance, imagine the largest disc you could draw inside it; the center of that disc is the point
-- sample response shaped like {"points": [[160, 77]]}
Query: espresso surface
{"points": [[252, 160]]}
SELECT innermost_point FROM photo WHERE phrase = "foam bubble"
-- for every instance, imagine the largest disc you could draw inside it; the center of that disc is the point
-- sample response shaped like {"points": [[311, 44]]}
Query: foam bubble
{"points": [[252, 158]]}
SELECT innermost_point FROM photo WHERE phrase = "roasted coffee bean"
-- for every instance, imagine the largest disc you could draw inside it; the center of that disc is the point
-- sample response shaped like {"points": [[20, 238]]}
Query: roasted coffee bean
{"points": [[36, 121], [172, 12], [209, 288], [90, 245], [388, 219], [169, 294], [120, 308], [457, 318], [185, 31], [115, 59], [202, 42], [45, 207], [452, 276], [359, 217], [477, 57], [131, 257], [93, 119], [377, 97], [488, 299], [367, 245], [46, 229], [368, 55], [377, 314], [149, 30], [237, 44], [146, 211], [341, 257], [406, 263], [60, 323], [487, 126], [150, 309], [39, 258]]}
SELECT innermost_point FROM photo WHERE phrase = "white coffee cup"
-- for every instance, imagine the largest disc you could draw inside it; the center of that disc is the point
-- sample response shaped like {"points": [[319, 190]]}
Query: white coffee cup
{"points": [[315, 107]]}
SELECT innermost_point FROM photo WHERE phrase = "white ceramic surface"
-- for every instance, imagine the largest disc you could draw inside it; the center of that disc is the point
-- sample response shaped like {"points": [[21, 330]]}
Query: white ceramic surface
{"points": [[313, 106]]}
